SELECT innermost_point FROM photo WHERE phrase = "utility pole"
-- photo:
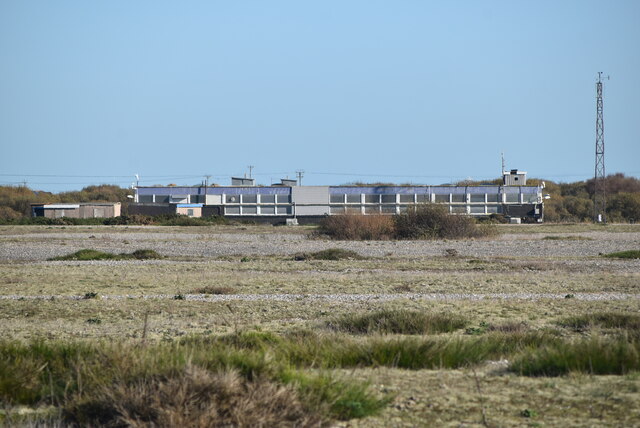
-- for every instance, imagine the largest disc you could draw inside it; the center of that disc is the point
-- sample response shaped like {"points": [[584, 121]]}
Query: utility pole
{"points": [[250, 169], [206, 184], [300, 174], [599, 179]]}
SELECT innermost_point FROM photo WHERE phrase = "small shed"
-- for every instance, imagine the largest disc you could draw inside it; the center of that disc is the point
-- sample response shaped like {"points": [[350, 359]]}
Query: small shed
{"points": [[81, 210]]}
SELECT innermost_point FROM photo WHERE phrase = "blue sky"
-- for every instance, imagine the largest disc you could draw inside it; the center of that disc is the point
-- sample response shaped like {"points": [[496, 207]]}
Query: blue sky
{"points": [[400, 91]]}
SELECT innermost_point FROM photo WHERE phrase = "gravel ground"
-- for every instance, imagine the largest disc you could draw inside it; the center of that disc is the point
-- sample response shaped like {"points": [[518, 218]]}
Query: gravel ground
{"points": [[42, 246], [345, 297]]}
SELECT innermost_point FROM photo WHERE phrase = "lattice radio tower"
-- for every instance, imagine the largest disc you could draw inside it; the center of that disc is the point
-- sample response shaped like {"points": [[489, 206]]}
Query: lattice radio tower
{"points": [[600, 189]]}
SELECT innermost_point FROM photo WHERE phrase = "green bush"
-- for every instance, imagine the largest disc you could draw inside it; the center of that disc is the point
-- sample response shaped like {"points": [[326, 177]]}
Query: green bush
{"points": [[630, 254], [89, 254], [329, 254], [431, 221]]}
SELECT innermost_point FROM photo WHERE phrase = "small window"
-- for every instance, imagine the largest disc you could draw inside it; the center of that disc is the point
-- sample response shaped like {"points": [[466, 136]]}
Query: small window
{"points": [[372, 199], [250, 209], [406, 199], [459, 198], [494, 197], [284, 210], [337, 209], [190, 212], [162, 199], [513, 197], [442, 198], [479, 197], [353, 199], [145, 199], [284, 199], [476, 209], [249, 199], [267, 199], [337, 199], [422, 198], [232, 210], [268, 210], [232, 199], [388, 199]]}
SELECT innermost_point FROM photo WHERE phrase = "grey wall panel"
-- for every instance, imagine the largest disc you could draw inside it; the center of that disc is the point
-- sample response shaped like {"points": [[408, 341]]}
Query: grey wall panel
{"points": [[303, 210], [315, 195]]}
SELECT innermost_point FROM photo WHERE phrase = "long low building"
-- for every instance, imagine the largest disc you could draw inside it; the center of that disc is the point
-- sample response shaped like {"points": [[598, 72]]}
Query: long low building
{"points": [[80, 210], [277, 202]]}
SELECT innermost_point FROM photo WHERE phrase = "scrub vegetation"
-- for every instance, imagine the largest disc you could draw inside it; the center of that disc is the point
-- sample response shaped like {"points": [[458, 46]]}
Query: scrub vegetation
{"points": [[250, 339], [88, 254]]}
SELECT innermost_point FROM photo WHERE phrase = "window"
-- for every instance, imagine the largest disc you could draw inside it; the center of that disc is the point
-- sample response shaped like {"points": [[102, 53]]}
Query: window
{"points": [[530, 198], [268, 209], [232, 210], [284, 199], [494, 209], [336, 209], [190, 212], [479, 197], [459, 197], [196, 199], [442, 198], [162, 199], [372, 209], [145, 199], [494, 197], [371, 199], [513, 197], [476, 209], [407, 199], [457, 209], [249, 199], [337, 199], [388, 199], [422, 198], [250, 209], [353, 199], [388, 209], [232, 199], [284, 210], [267, 199]]}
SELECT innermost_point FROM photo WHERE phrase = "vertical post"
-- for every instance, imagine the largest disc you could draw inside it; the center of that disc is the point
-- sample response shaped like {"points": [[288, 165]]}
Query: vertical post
{"points": [[599, 179]]}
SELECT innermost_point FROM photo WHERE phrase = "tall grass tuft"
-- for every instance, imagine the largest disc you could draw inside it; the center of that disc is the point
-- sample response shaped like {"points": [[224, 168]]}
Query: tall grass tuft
{"points": [[609, 320], [595, 355], [432, 221], [329, 254], [629, 254], [397, 321]]}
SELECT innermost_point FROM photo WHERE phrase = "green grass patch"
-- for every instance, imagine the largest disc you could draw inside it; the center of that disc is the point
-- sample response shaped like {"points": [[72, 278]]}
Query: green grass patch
{"points": [[596, 355], [88, 255], [630, 254], [329, 254], [609, 320], [397, 321], [567, 238]]}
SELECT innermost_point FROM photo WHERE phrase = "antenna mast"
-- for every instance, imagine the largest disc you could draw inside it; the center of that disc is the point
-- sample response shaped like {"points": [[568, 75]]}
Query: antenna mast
{"points": [[599, 179]]}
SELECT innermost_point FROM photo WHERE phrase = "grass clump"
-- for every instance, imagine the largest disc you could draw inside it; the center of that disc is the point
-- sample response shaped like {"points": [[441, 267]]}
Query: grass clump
{"points": [[89, 255], [595, 355], [630, 254], [212, 289], [567, 238], [609, 320], [397, 321], [329, 254]]}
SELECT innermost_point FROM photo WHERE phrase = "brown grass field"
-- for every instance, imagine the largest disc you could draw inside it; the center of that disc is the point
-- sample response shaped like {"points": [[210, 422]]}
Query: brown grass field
{"points": [[223, 280]]}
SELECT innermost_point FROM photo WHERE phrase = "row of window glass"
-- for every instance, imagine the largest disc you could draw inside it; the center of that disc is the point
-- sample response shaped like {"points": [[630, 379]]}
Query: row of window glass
{"points": [[257, 210], [451, 198], [393, 209], [257, 199]]}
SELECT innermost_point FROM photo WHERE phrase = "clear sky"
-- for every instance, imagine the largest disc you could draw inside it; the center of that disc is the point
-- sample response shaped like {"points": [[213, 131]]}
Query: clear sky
{"points": [[425, 92]]}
